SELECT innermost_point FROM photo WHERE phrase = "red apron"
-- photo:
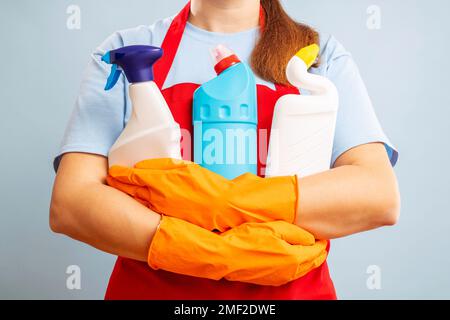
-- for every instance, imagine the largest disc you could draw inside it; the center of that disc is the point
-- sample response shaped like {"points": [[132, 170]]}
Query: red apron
{"points": [[132, 279]]}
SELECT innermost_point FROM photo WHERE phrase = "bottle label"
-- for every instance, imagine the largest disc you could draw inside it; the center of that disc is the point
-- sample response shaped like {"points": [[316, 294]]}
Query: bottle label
{"points": [[228, 149]]}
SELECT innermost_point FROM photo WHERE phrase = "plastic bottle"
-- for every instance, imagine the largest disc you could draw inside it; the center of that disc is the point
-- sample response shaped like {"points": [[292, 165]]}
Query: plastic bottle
{"points": [[151, 131], [303, 126], [225, 118]]}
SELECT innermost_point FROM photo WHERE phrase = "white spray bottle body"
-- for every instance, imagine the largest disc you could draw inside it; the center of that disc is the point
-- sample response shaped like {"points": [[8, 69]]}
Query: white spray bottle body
{"points": [[303, 126], [151, 131]]}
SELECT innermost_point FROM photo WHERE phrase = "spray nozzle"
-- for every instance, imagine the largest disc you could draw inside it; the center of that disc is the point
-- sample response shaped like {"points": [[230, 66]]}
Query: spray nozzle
{"points": [[135, 61]]}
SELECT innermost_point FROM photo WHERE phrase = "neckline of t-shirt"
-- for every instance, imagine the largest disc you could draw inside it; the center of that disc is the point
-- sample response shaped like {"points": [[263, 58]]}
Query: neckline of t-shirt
{"points": [[209, 36]]}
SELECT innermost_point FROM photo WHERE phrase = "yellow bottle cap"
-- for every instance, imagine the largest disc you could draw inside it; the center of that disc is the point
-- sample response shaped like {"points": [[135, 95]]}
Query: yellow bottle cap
{"points": [[309, 54]]}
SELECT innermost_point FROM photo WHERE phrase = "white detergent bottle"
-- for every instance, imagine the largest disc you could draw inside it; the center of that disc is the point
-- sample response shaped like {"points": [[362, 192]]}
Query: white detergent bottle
{"points": [[303, 126], [151, 131]]}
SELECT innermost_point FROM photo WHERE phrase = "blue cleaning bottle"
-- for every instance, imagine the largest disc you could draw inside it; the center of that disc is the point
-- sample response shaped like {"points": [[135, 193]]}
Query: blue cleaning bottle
{"points": [[225, 118]]}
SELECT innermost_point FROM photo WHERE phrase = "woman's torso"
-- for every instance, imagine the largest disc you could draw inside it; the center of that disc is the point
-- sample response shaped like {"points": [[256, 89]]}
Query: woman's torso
{"points": [[191, 67]]}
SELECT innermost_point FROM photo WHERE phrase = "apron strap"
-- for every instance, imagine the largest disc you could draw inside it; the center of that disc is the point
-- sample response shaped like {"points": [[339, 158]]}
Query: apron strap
{"points": [[170, 45], [172, 41], [286, 89]]}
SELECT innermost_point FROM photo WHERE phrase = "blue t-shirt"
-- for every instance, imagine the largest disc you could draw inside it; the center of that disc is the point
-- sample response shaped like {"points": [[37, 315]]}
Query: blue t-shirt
{"points": [[99, 116]]}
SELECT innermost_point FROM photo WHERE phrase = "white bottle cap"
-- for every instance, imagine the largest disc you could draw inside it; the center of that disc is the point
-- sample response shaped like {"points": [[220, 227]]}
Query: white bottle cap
{"points": [[219, 53]]}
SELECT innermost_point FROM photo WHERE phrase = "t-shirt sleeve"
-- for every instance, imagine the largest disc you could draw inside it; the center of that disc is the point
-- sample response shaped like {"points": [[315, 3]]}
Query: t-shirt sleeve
{"points": [[357, 123], [98, 116]]}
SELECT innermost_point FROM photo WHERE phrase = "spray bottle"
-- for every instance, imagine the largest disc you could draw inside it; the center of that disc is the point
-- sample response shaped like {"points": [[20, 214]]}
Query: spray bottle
{"points": [[303, 126], [225, 118], [151, 131]]}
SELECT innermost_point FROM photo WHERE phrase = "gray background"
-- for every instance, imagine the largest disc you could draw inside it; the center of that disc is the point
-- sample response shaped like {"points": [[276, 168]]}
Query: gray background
{"points": [[405, 66]]}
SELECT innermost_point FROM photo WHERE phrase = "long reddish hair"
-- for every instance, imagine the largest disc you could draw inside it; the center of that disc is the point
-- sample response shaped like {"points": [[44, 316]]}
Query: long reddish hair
{"points": [[280, 40]]}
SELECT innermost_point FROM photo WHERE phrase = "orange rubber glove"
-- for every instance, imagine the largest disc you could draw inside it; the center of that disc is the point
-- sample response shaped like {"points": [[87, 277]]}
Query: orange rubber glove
{"points": [[185, 190], [272, 253]]}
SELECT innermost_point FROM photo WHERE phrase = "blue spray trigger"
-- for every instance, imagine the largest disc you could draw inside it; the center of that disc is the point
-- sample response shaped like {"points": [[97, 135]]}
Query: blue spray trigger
{"points": [[115, 72], [113, 77], [107, 57]]}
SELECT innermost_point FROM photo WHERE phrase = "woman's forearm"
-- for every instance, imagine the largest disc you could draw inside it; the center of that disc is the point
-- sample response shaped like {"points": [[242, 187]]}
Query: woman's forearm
{"points": [[89, 211], [360, 194]]}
